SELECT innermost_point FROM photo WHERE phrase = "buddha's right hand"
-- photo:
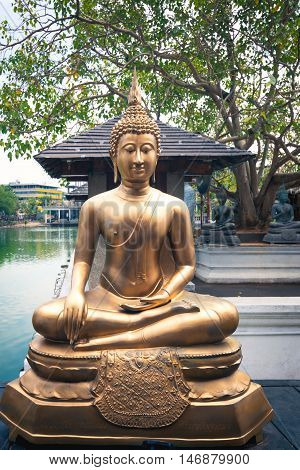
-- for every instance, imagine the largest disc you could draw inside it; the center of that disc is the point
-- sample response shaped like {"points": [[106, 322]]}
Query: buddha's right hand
{"points": [[75, 313]]}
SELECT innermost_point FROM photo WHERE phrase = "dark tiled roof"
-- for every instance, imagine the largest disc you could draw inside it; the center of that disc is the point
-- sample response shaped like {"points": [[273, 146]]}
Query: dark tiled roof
{"points": [[176, 143]]}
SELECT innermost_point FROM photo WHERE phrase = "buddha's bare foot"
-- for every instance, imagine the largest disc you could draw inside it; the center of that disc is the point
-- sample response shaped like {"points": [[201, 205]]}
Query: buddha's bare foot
{"points": [[80, 341], [187, 305], [87, 345]]}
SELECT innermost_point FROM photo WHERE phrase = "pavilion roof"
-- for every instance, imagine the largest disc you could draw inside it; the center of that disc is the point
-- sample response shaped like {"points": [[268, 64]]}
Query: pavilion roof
{"points": [[176, 144]]}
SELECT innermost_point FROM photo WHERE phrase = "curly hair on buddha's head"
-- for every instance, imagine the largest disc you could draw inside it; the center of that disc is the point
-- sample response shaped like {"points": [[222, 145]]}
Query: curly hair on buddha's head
{"points": [[135, 120]]}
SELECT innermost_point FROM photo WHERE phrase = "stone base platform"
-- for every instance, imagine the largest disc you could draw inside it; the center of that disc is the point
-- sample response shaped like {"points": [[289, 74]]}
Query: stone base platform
{"points": [[219, 238], [230, 422], [248, 264], [282, 236], [193, 395], [58, 362]]}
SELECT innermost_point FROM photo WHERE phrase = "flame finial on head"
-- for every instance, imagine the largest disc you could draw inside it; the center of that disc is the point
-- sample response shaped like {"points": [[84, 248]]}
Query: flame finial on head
{"points": [[135, 120], [135, 95], [282, 192]]}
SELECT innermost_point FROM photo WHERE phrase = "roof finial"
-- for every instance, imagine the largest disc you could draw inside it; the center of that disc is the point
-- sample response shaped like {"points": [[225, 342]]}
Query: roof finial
{"points": [[135, 96]]}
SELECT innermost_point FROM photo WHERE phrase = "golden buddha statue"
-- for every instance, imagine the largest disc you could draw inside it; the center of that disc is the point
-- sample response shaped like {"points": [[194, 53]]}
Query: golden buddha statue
{"points": [[133, 307], [137, 357]]}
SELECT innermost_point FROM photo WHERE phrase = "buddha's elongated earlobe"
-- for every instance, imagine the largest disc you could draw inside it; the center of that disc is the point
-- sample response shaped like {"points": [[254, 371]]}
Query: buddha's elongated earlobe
{"points": [[115, 173], [153, 176]]}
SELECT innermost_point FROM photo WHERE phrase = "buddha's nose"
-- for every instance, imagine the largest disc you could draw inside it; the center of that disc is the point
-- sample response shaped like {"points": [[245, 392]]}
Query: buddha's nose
{"points": [[138, 157]]}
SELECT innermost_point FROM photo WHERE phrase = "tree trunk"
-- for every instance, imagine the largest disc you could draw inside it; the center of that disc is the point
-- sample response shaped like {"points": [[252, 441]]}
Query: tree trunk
{"points": [[247, 210], [264, 210]]}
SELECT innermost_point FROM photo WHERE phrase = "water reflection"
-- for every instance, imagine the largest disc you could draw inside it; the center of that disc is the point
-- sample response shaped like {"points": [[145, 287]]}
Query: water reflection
{"points": [[25, 243], [30, 261]]}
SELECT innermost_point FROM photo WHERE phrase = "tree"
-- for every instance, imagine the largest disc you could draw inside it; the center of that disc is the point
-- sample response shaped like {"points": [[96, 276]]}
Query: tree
{"points": [[30, 207], [45, 200], [226, 68], [8, 200]]}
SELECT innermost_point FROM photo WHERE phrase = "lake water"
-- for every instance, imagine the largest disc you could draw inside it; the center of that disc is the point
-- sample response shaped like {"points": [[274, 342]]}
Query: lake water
{"points": [[30, 261]]}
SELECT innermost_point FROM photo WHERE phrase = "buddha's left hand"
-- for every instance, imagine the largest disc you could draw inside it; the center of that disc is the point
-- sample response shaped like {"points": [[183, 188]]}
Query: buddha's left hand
{"points": [[146, 303]]}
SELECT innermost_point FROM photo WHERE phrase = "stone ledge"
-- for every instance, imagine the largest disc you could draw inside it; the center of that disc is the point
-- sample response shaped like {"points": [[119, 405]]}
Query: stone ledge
{"points": [[269, 331], [272, 315], [251, 264]]}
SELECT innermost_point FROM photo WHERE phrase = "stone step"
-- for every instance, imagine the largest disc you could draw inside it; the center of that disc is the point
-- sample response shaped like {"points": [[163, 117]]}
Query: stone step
{"points": [[269, 331], [248, 264]]}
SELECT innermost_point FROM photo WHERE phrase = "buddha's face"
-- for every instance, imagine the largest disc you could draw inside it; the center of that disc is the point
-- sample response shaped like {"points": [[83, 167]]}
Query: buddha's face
{"points": [[137, 156], [221, 199], [283, 198]]}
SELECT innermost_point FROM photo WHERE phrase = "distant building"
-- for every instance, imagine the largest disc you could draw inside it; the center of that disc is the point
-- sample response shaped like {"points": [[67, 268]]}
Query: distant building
{"points": [[66, 213], [37, 191], [78, 192]]}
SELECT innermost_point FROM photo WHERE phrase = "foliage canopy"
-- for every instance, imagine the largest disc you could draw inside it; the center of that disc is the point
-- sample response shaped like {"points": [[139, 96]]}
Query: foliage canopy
{"points": [[226, 68], [8, 200]]}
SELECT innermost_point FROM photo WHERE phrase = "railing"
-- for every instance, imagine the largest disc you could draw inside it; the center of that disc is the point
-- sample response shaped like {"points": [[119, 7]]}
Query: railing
{"points": [[65, 205], [60, 280]]}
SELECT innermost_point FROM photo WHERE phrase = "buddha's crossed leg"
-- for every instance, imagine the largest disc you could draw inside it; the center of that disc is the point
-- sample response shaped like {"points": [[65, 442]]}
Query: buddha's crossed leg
{"points": [[105, 316], [216, 320], [180, 322]]}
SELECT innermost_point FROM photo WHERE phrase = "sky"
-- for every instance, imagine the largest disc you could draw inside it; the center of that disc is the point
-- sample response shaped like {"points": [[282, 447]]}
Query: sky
{"points": [[27, 171]]}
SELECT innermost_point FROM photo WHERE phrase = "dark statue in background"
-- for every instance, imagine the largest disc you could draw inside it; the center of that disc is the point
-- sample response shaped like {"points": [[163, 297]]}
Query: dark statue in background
{"points": [[222, 231], [283, 229]]}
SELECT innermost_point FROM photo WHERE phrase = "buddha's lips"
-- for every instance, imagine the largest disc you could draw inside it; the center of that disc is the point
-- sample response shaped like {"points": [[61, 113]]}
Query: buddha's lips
{"points": [[138, 169]]}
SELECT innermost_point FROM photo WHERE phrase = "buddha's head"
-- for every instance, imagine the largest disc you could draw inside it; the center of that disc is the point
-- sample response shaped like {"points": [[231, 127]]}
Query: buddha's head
{"points": [[135, 140], [221, 197], [282, 195]]}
